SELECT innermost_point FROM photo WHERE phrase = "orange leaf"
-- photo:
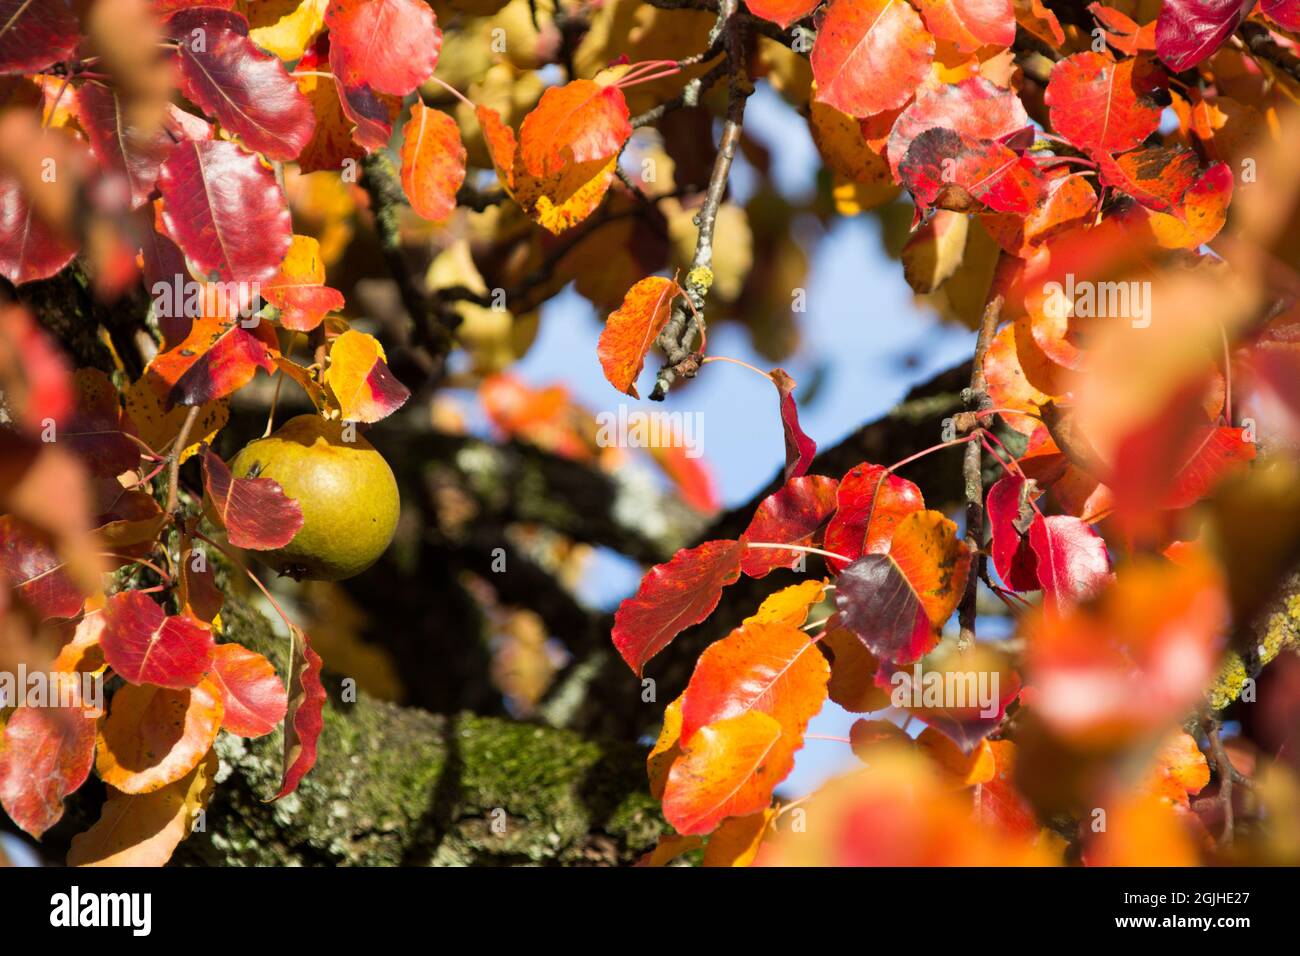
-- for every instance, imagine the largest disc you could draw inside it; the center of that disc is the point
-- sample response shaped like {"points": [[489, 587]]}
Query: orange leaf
{"points": [[298, 289], [723, 772], [631, 330], [153, 736], [433, 162], [579, 122]]}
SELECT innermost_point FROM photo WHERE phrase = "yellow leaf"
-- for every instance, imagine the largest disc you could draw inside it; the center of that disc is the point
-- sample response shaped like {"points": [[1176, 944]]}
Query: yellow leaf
{"points": [[736, 842], [145, 829], [290, 35], [158, 428], [789, 605], [359, 379]]}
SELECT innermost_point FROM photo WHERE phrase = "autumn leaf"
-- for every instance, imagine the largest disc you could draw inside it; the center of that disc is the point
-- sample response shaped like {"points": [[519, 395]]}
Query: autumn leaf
{"points": [[36, 35], [225, 210], [736, 841], [800, 450], [390, 46], [666, 748], [134, 153], [672, 597], [852, 683], [255, 512], [580, 122], [871, 501], [949, 170], [145, 829], [30, 249], [869, 55], [1071, 558], [46, 755], [145, 645], [303, 720], [1011, 512], [975, 108], [1157, 626], [30, 566], [934, 251], [255, 700], [433, 162], [216, 359], [96, 431], [631, 330], [1102, 104], [792, 515], [154, 736], [298, 289], [248, 91], [1188, 31], [897, 602], [723, 772], [788, 606], [782, 12], [970, 24], [1157, 177], [359, 379], [289, 36], [773, 668]]}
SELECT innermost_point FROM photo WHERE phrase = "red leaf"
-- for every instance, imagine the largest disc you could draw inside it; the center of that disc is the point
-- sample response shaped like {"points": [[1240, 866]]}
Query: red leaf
{"points": [[1072, 560], [947, 169], [29, 565], [1188, 31], [970, 24], [579, 122], [800, 450], [433, 162], [631, 330], [215, 359], [304, 720], [782, 12], [47, 753], [673, 597], [36, 34], [225, 210], [254, 511], [870, 55], [29, 248], [127, 150], [863, 524], [1100, 104], [1285, 13], [38, 382], [1010, 514], [1223, 449], [255, 699], [974, 107], [248, 91], [145, 645], [789, 516], [390, 46], [897, 602]]}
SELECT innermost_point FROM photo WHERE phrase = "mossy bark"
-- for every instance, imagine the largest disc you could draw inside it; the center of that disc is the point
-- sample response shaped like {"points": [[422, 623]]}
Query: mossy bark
{"points": [[400, 786]]}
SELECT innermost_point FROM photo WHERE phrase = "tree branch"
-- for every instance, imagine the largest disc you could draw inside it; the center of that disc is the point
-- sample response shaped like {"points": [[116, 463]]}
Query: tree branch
{"points": [[681, 327]]}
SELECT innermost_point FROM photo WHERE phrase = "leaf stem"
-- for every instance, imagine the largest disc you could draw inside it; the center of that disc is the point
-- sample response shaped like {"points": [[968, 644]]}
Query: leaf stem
{"points": [[174, 458]]}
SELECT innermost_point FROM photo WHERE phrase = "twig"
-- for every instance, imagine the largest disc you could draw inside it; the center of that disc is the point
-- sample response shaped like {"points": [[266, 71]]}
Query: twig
{"points": [[174, 458], [680, 330], [976, 398]]}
